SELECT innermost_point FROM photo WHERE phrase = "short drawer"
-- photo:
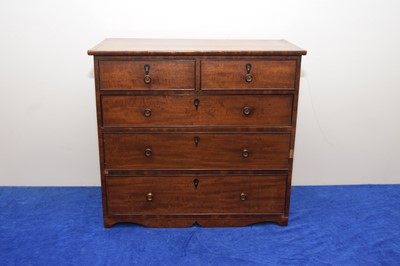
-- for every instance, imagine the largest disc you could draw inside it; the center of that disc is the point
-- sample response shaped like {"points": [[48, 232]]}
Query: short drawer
{"points": [[250, 74], [251, 151], [191, 194], [236, 110], [147, 75]]}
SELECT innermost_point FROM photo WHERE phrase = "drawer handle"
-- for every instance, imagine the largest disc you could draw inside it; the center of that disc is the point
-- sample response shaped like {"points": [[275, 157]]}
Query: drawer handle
{"points": [[196, 140], [147, 112], [245, 153], [147, 78], [243, 196], [249, 76], [149, 196], [148, 152], [246, 110], [196, 103]]}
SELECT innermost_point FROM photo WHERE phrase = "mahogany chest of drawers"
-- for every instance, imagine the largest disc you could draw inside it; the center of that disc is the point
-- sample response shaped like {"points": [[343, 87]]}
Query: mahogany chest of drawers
{"points": [[196, 131]]}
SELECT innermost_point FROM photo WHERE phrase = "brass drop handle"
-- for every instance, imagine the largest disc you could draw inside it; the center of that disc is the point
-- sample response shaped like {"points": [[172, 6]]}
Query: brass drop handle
{"points": [[196, 140], [147, 112], [149, 196], [196, 103], [148, 152], [243, 196], [147, 78], [246, 111], [249, 76], [245, 153]]}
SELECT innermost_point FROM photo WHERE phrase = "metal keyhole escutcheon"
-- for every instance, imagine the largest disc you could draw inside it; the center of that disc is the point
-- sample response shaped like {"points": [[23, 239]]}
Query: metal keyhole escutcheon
{"points": [[196, 183], [196, 103], [196, 140]]}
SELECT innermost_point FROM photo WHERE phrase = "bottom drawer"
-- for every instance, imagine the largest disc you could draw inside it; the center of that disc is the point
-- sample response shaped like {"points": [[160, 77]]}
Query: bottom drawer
{"points": [[195, 194]]}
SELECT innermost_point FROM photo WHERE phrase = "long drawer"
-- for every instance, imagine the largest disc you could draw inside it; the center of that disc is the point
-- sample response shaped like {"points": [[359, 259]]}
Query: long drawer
{"points": [[197, 151], [248, 74], [218, 110], [191, 194], [147, 75]]}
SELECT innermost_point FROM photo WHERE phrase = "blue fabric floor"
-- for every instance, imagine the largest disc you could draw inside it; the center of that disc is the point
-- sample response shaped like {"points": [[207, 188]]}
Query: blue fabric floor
{"points": [[328, 225]]}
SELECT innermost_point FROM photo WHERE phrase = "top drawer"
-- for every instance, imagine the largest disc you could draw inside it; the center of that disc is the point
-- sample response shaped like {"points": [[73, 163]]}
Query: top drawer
{"points": [[248, 74], [147, 75]]}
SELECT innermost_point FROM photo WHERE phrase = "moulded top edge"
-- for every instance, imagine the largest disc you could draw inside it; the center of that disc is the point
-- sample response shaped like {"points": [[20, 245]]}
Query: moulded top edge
{"points": [[127, 47]]}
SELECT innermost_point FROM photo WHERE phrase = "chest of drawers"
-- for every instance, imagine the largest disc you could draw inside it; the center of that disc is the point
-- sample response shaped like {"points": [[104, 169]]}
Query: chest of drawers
{"points": [[196, 131]]}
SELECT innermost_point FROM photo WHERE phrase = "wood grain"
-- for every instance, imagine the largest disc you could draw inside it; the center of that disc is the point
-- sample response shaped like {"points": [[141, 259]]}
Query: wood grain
{"points": [[154, 47], [267, 74], [212, 71], [188, 220], [214, 151], [129, 75], [213, 195], [218, 110]]}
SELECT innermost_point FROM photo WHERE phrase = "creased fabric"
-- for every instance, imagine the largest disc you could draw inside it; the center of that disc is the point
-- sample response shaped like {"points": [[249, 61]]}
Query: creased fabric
{"points": [[328, 225]]}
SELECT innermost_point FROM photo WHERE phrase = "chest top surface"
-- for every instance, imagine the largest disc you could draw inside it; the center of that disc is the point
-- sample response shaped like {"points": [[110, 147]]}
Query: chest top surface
{"points": [[123, 46]]}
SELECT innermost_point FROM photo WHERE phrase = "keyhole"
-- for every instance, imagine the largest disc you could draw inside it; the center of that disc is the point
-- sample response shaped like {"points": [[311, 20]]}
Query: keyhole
{"points": [[196, 183], [196, 103]]}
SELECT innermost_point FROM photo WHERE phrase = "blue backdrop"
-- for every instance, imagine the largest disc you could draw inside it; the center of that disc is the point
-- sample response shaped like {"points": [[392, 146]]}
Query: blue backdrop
{"points": [[328, 225]]}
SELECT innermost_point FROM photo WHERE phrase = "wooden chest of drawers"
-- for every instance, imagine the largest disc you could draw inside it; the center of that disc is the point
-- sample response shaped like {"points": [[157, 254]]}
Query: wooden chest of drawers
{"points": [[196, 131]]}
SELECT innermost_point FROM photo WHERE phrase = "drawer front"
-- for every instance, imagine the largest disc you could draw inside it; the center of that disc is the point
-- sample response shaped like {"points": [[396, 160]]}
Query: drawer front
{"points": [[146, 111], [249, 151], [180, 195], [162, 75], [264, 74]]}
